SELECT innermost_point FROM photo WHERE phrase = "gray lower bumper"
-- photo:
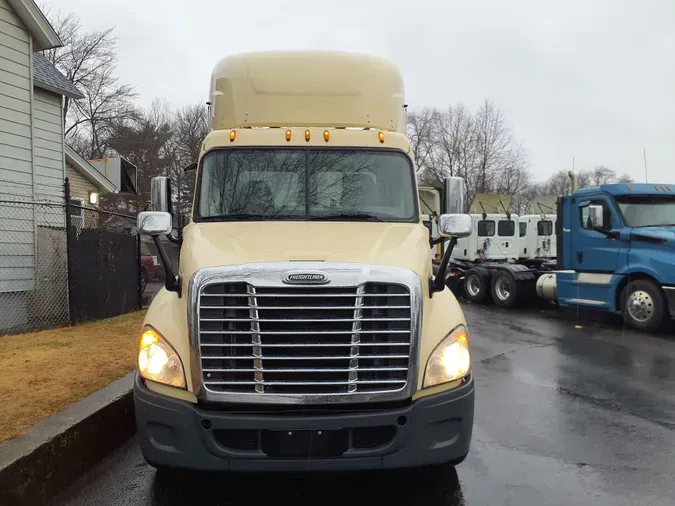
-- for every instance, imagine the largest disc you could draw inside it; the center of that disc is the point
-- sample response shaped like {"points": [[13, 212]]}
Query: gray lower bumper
{"points": [[432, 430]]}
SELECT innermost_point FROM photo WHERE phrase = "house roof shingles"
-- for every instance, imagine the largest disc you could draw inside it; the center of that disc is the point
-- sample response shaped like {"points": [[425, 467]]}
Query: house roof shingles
{"points": [[48, 77]]}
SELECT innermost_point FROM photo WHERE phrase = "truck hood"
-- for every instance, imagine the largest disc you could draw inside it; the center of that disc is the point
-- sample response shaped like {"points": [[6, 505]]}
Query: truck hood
{"points": [[235, 243], [654, 233]]}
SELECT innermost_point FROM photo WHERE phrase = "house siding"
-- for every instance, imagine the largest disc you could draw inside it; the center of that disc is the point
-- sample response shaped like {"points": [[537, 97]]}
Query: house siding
{"points": [[15, 102], [80, 187], [49, 160], [17, 221]]}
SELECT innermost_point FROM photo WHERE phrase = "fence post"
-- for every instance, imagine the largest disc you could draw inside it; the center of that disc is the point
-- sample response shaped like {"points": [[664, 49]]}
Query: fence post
{"points": [[138, 268], [69, 253]]}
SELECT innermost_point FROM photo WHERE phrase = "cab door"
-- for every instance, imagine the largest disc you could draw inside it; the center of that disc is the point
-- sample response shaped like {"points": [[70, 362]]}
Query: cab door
{"points": [[596, 246]]}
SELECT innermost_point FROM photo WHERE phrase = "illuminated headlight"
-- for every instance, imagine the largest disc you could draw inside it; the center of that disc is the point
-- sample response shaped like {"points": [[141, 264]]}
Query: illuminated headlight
{"points": [[157, 360], [451, 360]]}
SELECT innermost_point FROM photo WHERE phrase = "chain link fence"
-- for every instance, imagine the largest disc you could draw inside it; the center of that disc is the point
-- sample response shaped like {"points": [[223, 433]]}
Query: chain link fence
{"points": [[33, 265], [65, 263]]}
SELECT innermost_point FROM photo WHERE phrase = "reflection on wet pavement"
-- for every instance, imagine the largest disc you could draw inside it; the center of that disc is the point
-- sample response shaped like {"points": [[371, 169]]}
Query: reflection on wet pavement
{"points": [[564, 416]]}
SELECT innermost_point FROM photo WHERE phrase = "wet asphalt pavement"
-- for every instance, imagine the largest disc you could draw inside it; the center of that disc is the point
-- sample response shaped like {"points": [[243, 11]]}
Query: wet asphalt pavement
{"points": [[564, 416]]}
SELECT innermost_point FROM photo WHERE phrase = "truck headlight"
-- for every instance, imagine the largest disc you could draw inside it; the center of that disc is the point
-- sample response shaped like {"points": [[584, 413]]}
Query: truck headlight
{"points": [[451, 360], [157, 360]]}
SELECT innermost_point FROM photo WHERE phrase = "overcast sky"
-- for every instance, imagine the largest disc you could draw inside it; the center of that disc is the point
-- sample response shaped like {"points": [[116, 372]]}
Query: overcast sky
{"points": [[592, 80]]}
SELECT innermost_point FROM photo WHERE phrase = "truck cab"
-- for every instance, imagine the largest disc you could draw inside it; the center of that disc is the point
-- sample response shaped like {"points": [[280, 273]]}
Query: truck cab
{"points": [[616, 251], [536, 230], [494, 232], [305, 327]]}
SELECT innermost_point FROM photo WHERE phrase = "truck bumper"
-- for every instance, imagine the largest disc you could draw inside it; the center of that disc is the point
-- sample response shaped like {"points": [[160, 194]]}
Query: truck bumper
{"points": [[178, 434]]}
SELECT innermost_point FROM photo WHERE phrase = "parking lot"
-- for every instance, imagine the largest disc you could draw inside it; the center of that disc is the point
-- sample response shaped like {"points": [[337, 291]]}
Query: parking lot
{"points": [[567, 412]]}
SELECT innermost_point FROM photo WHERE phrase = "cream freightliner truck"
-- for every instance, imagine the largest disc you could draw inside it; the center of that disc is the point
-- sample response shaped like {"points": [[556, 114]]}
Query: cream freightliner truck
{"points": [[304, 327]]}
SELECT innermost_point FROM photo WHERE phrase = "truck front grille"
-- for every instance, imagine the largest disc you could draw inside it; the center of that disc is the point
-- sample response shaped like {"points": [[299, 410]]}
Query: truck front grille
{"points": [[304, 340]]}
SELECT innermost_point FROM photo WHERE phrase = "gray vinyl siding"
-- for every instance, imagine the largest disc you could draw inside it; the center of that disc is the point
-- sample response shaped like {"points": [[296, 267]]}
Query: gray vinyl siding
{"points": [[17, 221], [49, 158], [15, 105]]}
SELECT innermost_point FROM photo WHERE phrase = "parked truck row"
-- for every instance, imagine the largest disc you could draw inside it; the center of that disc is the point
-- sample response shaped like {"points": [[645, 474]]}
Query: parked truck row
{"points": [[609, 248]]}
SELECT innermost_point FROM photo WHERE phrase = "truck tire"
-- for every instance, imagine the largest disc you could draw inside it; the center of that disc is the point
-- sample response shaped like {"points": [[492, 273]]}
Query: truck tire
{"points": [[476, 285], [643, 305], [505, 289]]}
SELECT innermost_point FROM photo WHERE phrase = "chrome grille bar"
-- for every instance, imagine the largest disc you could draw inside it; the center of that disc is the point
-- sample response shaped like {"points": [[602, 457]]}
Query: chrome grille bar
{"points": [[356, 340], [256, 339]]}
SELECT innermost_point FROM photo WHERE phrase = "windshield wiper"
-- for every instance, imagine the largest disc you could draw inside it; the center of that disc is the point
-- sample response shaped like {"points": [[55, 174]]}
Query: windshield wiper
{"points": [[236, 217], [347, 217]]}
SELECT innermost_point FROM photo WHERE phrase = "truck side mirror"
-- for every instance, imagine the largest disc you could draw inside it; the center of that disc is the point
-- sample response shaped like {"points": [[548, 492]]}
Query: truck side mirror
{"points": [[154, 223], [597, 218], [456, 225], [160, 194]]}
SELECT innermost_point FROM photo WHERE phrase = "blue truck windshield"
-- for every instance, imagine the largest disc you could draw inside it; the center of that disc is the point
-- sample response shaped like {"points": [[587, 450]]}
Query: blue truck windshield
{"points": [[306, 184], [647, 211]]}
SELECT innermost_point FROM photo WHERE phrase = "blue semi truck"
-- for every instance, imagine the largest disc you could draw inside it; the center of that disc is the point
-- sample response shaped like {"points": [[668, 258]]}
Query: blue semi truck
{"points": [[615, 253]]}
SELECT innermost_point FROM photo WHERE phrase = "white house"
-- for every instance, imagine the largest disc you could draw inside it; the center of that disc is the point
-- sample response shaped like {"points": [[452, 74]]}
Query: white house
{"points": [[33, 272]]}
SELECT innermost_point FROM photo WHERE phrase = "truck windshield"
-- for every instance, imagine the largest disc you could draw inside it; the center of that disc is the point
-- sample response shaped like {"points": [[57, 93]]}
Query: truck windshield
{"points": [[302, 184], [647, 211]]}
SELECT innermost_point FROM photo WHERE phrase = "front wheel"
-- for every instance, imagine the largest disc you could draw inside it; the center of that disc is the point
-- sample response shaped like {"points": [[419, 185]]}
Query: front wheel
{"points": [[643, 305]]}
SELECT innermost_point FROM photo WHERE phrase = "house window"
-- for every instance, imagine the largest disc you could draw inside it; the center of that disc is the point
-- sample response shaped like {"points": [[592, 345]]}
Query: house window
{"points": [[76, 212], [486, 228], [506, 228]]}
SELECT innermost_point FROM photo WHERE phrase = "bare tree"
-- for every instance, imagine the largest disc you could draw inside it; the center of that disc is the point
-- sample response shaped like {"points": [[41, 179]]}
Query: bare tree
{"points": [[560, 183], [106, 104], [478, 147], [88, 60], [420, 128], [453, 138], [190, 127], [143, 141]]}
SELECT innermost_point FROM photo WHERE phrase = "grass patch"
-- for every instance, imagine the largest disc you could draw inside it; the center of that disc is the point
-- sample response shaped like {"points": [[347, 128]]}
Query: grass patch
{"points": [[44, 372]]}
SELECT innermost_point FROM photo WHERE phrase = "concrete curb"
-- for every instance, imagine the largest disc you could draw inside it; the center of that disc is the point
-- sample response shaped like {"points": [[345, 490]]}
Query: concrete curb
{"points": [[53, 453]]}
